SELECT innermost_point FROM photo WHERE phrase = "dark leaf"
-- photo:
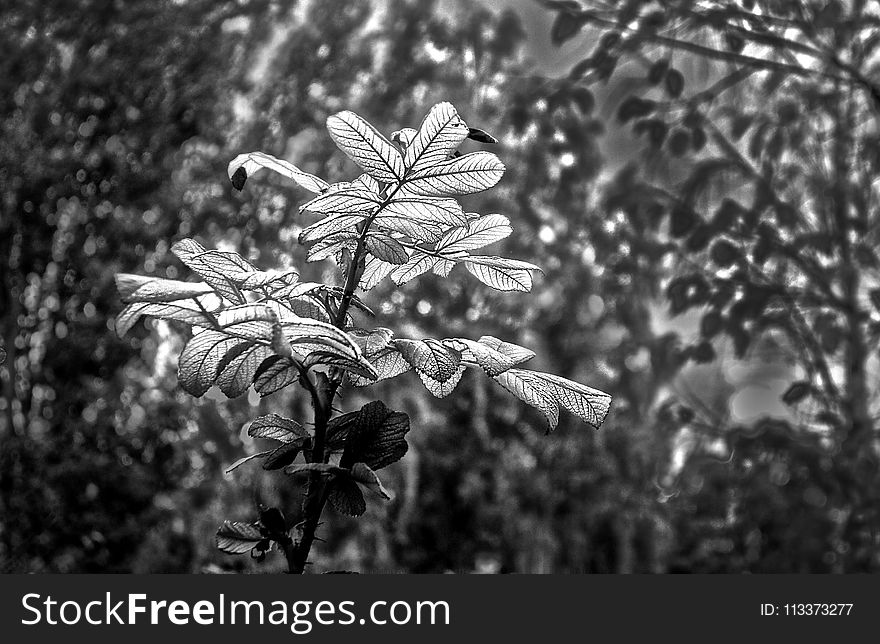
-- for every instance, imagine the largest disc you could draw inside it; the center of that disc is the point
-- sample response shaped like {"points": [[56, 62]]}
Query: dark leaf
{"points": [[237, 538], [346, 497], [375, 435], [480, 136], [796, 392], [238, 178], [566, 26], [674, 82]]}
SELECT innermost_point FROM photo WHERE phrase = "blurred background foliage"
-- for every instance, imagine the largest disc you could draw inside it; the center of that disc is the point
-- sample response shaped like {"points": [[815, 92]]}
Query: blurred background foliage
{"points": [[696, 178]]}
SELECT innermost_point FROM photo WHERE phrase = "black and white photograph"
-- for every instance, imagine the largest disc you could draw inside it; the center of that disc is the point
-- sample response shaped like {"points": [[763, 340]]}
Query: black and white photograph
{"points": [[553, 287]]}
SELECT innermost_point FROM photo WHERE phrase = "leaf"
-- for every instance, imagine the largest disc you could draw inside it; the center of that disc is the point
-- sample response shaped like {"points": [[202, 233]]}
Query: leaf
{"points": [[359, 367], [183, 311], [476, 134], [329, 246], [588, 404], [277, 428], [140, 288], [463, 175], [386, 248], [405, 225], [387, 364], [428, 210], [322, 468], [375, 270], [283, 455], [200, 360], [246, 459], [364, 475], [374, 435], [491, 361], [274, 374], [440, 133], [478, 232], [512, 351], [305, 331], [236, 369], [441, 389], [214, 267], [330, 226], [530, 389], [797, 392], [404, 136], [634, 107], [501, 273], [566, 26], [257, 280], [674, 83], [430, 357], [366, 147], [346, 497], [251, 321], [251, 162], [342, 201], [418, 264], [236, 538]]}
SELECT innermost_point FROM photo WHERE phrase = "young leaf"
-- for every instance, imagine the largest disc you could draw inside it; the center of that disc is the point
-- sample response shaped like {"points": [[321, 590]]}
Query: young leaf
{"points": [[251, 162], [366, 147], [236, 538], [386, 248], [277, 428], [477, 233], [441, 132], [141, 288], [362, 473], [463, 175]]}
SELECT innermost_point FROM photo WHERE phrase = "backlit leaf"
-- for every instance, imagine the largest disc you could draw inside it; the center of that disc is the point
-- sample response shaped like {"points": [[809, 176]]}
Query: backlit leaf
{"points": [[366, 147], [463, 175], [141, 288], [330, 226], [478, 232], [440, 133], [386, 248], [418, 264], [430, 357], [237, 538], [277, 428]]}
